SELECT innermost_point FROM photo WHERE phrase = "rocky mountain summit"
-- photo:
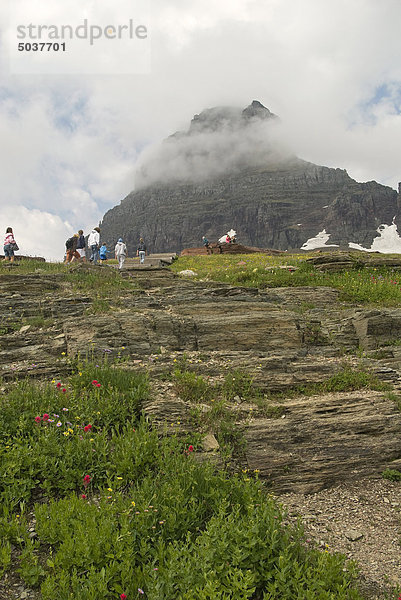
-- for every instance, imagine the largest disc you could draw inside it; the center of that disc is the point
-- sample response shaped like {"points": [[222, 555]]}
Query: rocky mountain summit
{"points": [[231, 168]]}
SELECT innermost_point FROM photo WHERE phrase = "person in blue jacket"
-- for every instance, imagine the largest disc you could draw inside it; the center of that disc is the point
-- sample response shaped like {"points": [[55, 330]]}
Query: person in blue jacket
{"points": [[103, 252]]}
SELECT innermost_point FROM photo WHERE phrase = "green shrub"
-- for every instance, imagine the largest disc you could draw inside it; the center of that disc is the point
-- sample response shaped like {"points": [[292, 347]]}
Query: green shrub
{"points": [[192, 533], [121, 509], [191, 387], [238, 383], [392, 474], [77, 436]]}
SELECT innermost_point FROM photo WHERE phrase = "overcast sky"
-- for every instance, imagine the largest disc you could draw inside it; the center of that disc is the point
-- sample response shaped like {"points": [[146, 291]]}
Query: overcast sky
{"points": [[330, 70]]}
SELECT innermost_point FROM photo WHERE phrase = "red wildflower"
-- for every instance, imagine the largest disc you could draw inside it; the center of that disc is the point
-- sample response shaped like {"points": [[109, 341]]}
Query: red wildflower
{"points": [[190, 448], [87, 428], [123, 597], [45, 416], [87, 479], [94, 382], [38, 419], [58, 385], [83, 496], [98, 385], [64, 390]]}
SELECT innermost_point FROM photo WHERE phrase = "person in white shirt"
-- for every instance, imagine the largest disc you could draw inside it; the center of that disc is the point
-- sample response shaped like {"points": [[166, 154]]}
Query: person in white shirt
{"points": [[9, 245], [120, 252], [93, 243]]}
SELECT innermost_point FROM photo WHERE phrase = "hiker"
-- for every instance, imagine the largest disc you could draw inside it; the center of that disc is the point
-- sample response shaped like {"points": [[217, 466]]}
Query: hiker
{"points": [[81, 245], [103, 252], [141, 250], [120, 252], [93, 244], [205, 242], [10, 245], [71, 249]]}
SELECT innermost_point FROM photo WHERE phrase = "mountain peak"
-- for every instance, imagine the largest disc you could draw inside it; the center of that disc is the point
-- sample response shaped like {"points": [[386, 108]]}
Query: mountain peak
{"points": [[220, 117], [256, 109]]}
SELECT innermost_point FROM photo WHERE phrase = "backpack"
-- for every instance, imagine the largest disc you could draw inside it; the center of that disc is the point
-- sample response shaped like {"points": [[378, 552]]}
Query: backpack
{"points": [[69, 243]]}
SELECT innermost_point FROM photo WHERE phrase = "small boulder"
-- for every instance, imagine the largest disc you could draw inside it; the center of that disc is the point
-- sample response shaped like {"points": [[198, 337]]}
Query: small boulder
{"points": [[209, 443], [353, 536]]}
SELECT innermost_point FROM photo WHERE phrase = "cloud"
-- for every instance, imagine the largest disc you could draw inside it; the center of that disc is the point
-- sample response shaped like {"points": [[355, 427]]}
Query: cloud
{"points": [[218, 141], [37, 233]]}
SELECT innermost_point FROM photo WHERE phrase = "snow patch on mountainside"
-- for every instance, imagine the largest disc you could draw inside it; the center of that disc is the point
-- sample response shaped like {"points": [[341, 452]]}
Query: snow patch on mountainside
{"points": [[388, 241], [318, 241]]}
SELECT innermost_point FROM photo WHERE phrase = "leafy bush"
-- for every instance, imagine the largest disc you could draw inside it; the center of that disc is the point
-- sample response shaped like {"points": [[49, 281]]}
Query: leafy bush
{"points": [[238, 383], [190, 386], [392, 474], [122, 510], [185, 531], [55, 433]]}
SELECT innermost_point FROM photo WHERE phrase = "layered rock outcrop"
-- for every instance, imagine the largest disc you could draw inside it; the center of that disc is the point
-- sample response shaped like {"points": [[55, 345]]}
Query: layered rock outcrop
{"points": [[284, 338]]}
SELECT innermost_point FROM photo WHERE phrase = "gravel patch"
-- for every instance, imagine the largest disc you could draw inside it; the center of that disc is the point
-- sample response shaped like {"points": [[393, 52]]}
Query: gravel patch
{"points": [[361, 520]]}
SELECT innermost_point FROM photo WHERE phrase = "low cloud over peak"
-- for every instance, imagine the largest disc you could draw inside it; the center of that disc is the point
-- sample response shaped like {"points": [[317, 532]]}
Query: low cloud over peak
{"points": [[219, 140]]}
